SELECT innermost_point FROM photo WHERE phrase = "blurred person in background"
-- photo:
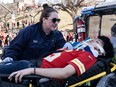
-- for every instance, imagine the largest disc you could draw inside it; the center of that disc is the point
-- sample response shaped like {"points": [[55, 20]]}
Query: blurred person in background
{"points": [[113, 36]]}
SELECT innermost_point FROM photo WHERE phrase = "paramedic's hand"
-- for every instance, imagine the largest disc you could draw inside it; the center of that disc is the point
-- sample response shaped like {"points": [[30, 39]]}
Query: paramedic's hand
{"points": [[7, 59], [68, 45], [19, 74]]}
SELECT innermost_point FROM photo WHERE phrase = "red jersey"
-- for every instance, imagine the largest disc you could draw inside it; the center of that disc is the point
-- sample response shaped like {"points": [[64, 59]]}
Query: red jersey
{"points": [[80, 60]]}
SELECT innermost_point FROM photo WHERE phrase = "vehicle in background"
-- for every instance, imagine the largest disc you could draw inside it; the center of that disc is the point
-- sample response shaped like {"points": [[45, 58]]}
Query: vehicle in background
{"points": [[95, 21]]}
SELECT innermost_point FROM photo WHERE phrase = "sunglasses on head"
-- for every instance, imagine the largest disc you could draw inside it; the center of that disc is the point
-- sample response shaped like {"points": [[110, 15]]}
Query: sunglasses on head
{"points": [[54, 20]]}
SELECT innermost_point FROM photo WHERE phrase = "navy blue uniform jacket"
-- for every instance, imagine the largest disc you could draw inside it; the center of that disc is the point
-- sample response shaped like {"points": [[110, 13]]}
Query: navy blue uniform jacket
{"points": [[32, 43]]}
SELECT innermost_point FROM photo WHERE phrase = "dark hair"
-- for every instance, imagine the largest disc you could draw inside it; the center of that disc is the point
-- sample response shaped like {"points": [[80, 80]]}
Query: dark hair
{"points": [[113, 29], [46, 11], [108, 47]]}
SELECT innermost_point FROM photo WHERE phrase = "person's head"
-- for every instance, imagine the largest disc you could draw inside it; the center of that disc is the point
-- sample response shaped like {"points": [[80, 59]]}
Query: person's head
{"points": [[49, 17], [113, 30], [95, 46], [107, 46], [103, 46]]}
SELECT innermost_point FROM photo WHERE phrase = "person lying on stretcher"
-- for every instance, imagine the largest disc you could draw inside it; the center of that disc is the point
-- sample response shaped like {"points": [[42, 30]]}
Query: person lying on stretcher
{"points": [[64, 64]]}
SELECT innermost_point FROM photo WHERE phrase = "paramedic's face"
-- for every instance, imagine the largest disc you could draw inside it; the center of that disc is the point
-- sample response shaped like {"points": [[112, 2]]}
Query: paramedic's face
{"points": [[52, 21]]}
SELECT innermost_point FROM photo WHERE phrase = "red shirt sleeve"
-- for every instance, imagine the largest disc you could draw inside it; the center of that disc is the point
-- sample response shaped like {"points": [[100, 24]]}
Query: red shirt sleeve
{"points": [[83, 62]]}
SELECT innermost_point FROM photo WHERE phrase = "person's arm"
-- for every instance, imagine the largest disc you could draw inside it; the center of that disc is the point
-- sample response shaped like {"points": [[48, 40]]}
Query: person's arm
{"points": [[17, 45], [58, 73]]}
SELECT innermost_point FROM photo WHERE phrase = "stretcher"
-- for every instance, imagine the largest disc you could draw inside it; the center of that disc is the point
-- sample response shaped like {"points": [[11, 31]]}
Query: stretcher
{"points": [[34, 80]]}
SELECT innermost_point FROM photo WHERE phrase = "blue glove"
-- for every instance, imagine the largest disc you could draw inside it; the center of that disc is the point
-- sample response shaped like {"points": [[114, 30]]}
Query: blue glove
{"points": [[68, 46], [7, 59]]}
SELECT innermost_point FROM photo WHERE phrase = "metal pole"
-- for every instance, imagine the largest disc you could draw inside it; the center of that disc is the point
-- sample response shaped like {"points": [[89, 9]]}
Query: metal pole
{"points": [[13, 21]]}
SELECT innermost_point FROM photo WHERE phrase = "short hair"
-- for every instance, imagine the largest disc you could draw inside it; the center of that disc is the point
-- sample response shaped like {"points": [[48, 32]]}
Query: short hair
{"points": [[46, 11], [108, 47], [113, 29]]}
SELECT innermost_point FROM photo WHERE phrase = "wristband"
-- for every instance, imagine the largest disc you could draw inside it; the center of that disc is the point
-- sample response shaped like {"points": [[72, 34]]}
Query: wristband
{"points": [[34, 70]]}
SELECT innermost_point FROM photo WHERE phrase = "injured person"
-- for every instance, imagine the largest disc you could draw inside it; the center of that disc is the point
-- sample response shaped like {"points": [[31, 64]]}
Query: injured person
{"points": [[61, 65]]}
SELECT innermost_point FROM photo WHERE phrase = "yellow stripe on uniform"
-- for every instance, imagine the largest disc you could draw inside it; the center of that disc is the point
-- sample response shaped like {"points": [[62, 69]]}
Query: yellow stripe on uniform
{"points": [[80, 65]]}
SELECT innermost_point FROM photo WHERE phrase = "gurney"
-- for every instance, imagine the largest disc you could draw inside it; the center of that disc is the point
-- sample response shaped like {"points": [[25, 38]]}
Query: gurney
{"points": [[34, 80], [100, 68]]}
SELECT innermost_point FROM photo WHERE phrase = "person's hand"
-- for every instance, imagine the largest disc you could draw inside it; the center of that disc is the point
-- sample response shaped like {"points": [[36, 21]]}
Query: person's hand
{"points": [[7, 59], [68, 46], [19, 74]]}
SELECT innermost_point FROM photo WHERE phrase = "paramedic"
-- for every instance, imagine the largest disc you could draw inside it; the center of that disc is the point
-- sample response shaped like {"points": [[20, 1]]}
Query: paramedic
{"points": [[37, 40]]}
